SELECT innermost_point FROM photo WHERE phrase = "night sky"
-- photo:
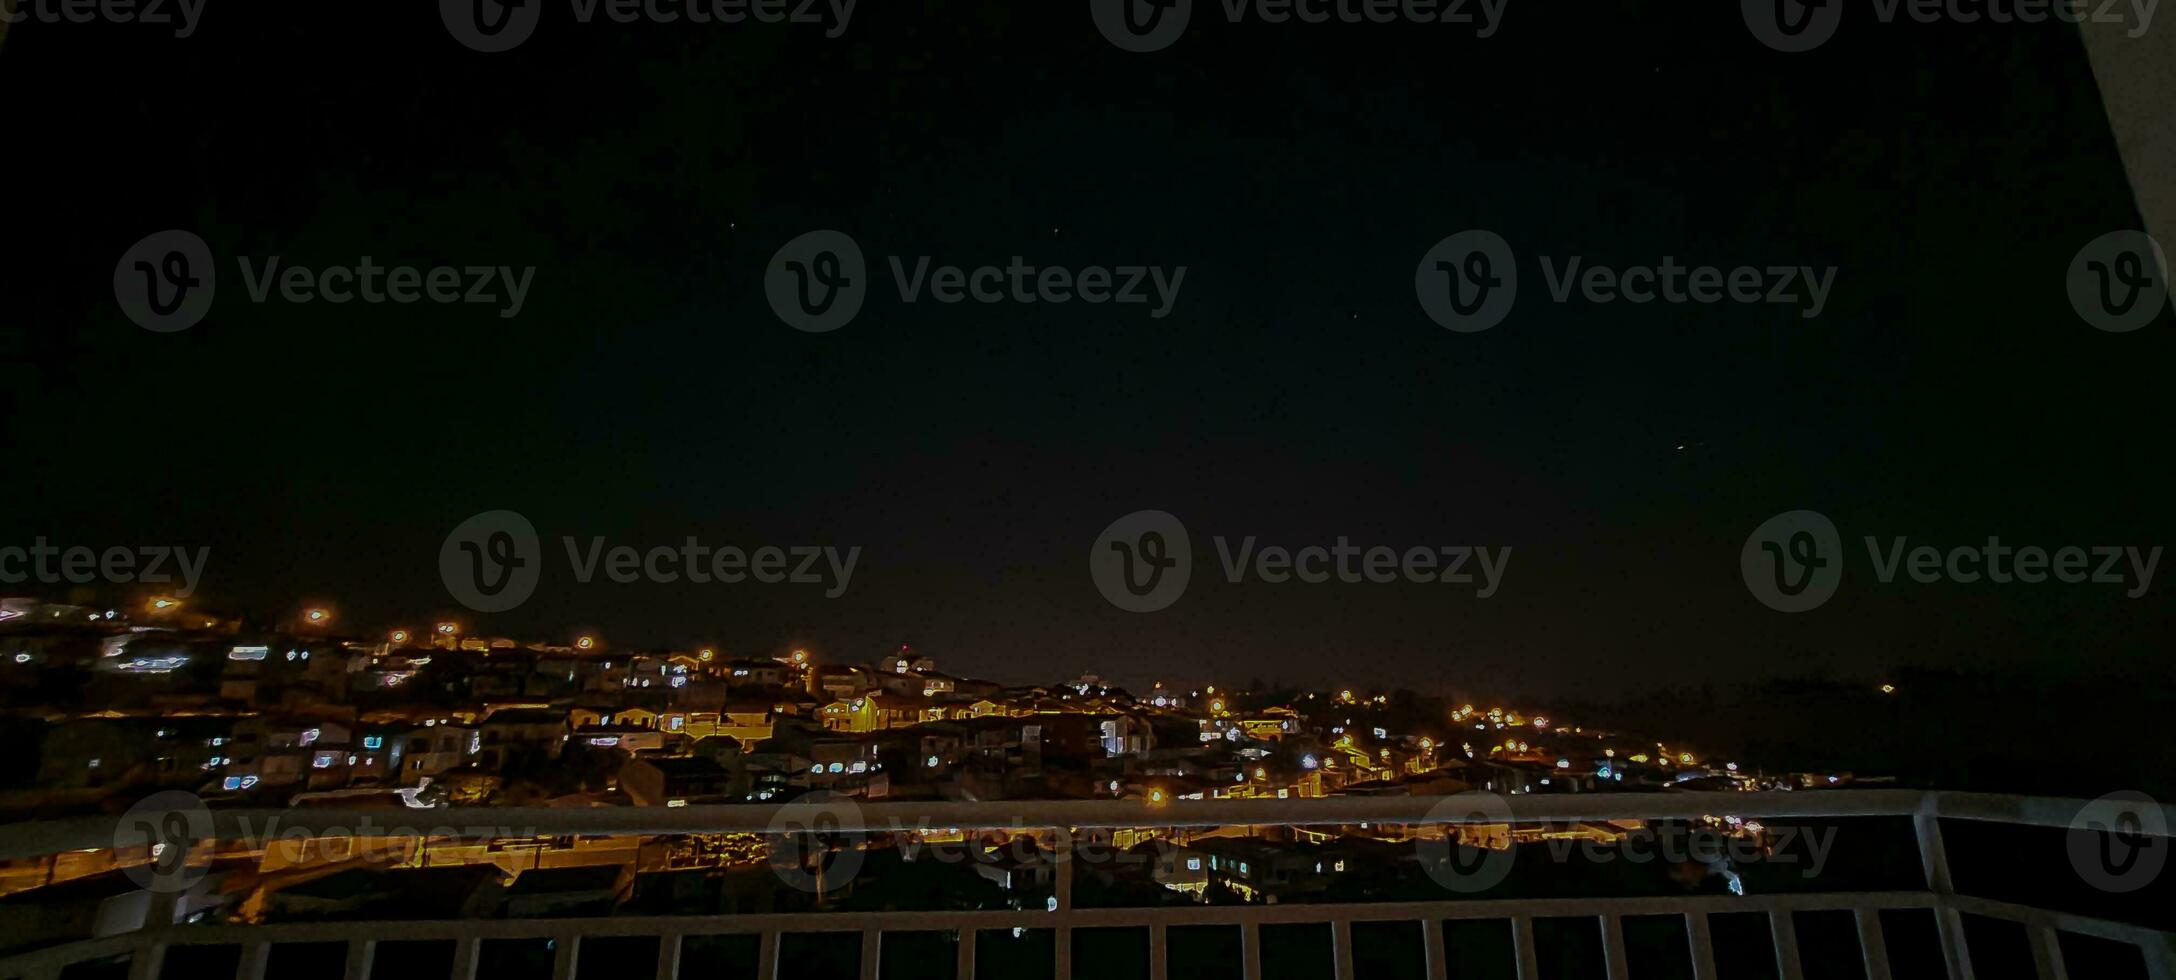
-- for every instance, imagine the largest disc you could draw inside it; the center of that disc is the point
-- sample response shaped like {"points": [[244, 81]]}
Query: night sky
{"points": [[1296, 393]]}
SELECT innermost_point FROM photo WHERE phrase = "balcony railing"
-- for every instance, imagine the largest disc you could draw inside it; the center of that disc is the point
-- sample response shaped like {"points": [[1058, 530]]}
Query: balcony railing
{"points": [[147, 950]]}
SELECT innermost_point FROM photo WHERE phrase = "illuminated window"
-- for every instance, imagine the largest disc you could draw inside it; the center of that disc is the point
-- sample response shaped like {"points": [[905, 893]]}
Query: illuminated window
{"points": [[373, 741]]}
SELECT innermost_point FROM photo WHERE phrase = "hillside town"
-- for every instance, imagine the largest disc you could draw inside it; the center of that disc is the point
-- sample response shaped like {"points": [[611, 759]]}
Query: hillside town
{"points": [[120, 704]]}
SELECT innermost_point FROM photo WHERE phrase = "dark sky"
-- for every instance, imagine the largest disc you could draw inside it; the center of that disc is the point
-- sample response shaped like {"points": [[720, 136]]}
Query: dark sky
{"points": [[974, 452]]}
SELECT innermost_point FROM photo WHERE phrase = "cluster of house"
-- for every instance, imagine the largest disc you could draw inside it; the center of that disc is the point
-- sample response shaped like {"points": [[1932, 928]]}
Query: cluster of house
{"points": [[283, 715], [294, 717]]}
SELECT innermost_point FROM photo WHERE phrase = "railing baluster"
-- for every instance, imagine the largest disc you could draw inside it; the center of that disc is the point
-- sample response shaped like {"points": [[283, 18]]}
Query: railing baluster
{"points": [[466, 952], [1159, 966], [147, 961], [1783, 926], [1522, 946], [2160, 958], [1956, 952], [1063, 838], [361, 951], [1613, 956], [1341, 949], [255, 957], [966, 961], [767, 955], [872, 952], [565, 950], [1431, 942], [1703, 945], [2047, 953], [1872, 945], [1934, 861], [668, 956]]}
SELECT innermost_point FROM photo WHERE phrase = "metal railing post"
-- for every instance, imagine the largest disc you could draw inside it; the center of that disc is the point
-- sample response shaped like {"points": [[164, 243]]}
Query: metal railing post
{"points": [[1703, 945], [964, 968], [1522, 946], [1432, 946], [1613, 955], [1934, 861], [1063, 838], [2047, 953], [1783, 927], [1872, 944]]}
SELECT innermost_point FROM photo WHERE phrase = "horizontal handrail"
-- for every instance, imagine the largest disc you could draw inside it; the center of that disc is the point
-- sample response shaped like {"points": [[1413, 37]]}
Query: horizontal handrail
{"points": [[37, 839]]}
